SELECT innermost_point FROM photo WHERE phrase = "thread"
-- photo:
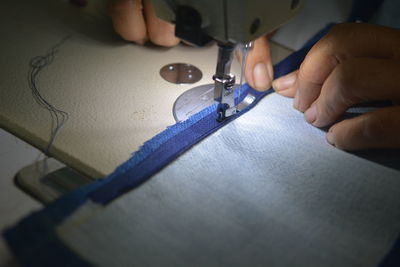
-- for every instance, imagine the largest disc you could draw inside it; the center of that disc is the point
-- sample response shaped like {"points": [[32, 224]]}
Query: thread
{"points": [[58, 117]]}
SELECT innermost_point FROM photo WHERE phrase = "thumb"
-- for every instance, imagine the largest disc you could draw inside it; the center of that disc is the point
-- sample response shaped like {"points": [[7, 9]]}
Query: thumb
{"points": [[378, 129], [259, 71]]}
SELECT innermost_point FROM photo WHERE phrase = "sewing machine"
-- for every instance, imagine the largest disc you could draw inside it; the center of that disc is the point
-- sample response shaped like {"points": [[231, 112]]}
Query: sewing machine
{"points": [[117, 100], [230, 23]]}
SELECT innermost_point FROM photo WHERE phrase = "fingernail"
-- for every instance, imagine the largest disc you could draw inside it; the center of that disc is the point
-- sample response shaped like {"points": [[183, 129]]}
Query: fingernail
{"points": [[311, 114], [261, 77], [284, 82], [330, 137]]}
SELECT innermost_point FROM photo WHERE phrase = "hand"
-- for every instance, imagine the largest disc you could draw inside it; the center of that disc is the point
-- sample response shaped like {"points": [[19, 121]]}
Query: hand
{"points": [[136, 21], [353, 64]]}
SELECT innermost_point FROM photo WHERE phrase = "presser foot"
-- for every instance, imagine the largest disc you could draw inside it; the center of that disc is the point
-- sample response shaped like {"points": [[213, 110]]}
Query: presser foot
{"points": [[224, 86]]}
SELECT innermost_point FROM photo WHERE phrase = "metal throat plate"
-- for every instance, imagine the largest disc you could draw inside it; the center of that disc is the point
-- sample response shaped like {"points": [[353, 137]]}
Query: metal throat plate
{"points": [[181, 73], [193, 101]]}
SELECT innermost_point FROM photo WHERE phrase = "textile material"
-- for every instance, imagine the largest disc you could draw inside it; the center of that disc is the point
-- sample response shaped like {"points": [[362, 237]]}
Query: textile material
{"points": [[48, 238], [34, 241], [283, 214], [265, 190], [167, 146]]}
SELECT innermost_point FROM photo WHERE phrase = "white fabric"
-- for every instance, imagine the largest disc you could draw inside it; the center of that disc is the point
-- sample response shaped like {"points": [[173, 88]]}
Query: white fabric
{"points": [[266, 190]]}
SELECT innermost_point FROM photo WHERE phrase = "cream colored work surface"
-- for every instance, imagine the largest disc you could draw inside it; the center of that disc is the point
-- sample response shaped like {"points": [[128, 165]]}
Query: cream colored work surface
{"points": [[111, 89]]}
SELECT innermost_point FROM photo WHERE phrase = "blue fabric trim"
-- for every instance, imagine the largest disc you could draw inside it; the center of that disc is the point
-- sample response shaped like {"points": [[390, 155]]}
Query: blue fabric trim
{"points": [[138, 171], [34, 240]]}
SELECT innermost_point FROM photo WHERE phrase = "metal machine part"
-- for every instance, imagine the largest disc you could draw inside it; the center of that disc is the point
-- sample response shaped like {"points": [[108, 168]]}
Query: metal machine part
{"points": [[193, 101], [181, 73], [223, 91], [224, 82], [229, 23], [222, 73], [198, 98], [226, 21]]}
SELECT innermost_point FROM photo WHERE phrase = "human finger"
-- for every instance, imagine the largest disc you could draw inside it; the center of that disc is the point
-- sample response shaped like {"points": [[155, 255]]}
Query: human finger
{"points": [[355, 81], [378, 129], [159, 31], [285, 84], [345, 41], [259, 71], [128, 20]]}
